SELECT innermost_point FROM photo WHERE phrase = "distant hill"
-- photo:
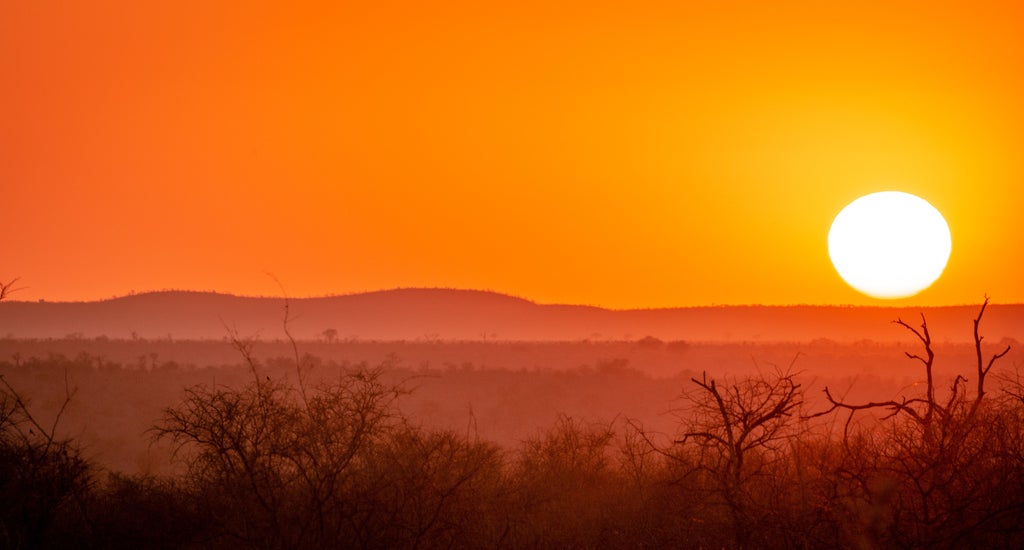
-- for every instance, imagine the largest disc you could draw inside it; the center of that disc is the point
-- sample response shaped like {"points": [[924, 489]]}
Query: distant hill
{"points": [[431, 314]]}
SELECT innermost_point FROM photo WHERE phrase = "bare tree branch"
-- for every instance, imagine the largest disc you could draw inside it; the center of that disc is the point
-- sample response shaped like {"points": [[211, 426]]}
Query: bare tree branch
{"points": [[291, 340], [6, 289], [931, 405], [983, 368], [926, 339]]}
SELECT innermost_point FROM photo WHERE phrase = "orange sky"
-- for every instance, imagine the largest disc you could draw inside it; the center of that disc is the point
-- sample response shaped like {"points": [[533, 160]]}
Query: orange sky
{"points": [[656, 155]]}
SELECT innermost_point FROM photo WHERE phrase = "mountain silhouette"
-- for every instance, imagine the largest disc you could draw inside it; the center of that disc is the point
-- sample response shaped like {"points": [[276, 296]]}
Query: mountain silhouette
{"points": [[446, 314]]}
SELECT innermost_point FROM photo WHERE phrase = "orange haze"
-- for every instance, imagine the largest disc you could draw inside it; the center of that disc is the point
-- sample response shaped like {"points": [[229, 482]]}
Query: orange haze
{"points": [[664, 154]]}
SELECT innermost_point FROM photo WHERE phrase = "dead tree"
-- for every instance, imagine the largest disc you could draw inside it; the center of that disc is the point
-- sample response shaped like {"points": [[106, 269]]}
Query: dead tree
{"points": [[942, 460], [983, 368], [927, 409]]}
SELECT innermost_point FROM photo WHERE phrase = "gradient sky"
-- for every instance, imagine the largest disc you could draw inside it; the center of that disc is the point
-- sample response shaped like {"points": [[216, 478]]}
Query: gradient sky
{"points": [[655, 155]]}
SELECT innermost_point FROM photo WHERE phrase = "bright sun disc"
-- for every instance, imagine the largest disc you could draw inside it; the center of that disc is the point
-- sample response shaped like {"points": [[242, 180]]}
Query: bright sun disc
{"points": [[889, 244]]}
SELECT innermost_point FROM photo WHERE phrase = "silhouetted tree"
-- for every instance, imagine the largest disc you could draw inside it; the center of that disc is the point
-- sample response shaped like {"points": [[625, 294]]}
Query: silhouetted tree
{"points": [[330, 335], [939, 476], [279, 467], [739, 430]]}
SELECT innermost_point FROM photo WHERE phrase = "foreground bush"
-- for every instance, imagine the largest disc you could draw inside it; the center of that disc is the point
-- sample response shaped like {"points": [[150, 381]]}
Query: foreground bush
{"points": [[42, 477]]}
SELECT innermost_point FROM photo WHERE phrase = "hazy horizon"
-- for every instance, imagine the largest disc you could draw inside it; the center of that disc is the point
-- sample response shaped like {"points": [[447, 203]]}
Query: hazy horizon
{"points": [[902, 303]]}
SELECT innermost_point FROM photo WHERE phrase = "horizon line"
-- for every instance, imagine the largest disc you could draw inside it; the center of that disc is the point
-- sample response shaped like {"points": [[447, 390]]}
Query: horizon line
{"points": [[882, 305]]}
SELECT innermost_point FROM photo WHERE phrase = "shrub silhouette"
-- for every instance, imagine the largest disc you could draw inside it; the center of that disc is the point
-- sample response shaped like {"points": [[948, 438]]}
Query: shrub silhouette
{"points": [[563, 478], [41, 474], [278, 467], [433, 489], [142, 512]]}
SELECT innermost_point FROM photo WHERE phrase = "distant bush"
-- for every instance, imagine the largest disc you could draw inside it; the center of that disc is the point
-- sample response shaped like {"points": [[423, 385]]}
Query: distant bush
{"points": [[649, 342], [678, 346]]}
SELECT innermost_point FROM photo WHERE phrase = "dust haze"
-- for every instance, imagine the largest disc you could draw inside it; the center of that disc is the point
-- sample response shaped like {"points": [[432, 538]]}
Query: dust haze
{"points": [[440, 418]]}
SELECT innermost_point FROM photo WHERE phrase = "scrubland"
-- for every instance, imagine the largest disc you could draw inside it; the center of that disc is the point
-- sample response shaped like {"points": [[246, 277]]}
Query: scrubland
{"points": [[644, 443]]}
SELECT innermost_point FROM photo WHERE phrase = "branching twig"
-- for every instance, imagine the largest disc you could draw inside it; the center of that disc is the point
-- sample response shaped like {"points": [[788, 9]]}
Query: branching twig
{"points": [[926, 339], [6, 289], [931, 404], [895, 406], [291, 340], [983, 368], [244, 348], [49, 435]]}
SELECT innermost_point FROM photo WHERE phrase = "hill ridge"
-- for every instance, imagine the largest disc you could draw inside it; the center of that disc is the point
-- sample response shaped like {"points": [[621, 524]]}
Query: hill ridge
{"points": [[456, 314]]}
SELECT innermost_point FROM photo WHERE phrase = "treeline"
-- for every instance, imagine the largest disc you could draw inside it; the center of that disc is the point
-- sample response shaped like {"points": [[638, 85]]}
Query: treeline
{"points": [[649, 355], [292, 462]]}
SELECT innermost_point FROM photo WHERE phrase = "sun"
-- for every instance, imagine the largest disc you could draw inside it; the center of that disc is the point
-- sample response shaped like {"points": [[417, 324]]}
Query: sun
{"points": [[889, 244]]}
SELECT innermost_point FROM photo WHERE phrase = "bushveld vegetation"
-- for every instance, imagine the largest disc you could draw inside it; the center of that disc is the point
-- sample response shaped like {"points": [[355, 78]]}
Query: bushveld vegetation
{"points": [[277, 458]]}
